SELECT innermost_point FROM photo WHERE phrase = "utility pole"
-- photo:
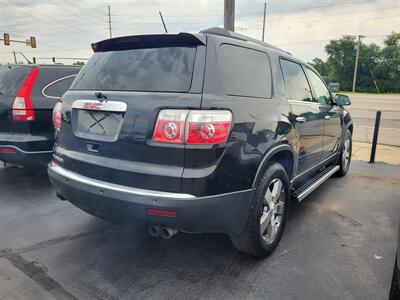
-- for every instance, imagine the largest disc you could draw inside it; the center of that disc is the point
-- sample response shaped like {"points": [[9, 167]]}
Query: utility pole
{"points": [[265, 12], [356, 64], [15, 57], [109, 20], [229, 15]]}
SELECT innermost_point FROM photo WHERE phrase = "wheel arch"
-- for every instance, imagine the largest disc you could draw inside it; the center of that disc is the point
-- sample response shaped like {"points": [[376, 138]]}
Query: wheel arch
{"points": [[350, 127], [283, 154]]}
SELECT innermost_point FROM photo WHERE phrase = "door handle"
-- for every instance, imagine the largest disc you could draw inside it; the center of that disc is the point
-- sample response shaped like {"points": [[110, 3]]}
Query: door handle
{"points": [[301, 119], [327, 117]]}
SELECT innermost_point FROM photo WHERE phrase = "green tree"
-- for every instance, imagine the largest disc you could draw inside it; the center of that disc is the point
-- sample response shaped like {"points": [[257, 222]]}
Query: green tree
{"points": [[377, 67], [341, 59], [389, 65], [322, 68]]}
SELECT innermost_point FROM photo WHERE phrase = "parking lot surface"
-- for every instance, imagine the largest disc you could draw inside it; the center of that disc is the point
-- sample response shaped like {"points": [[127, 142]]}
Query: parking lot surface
{"points": [[339, 243]]}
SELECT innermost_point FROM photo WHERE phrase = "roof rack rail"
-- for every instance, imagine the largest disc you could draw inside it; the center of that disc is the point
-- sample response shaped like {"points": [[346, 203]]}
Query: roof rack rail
{"points": [[238, 36]]}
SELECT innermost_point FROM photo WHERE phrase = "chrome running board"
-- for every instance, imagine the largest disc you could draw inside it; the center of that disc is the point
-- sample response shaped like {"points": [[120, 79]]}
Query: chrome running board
{"points": [[303, 191]]}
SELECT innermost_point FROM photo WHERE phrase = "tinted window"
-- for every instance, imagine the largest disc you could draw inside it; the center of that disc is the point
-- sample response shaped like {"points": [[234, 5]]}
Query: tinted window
{"points": [[321, 92], [155, 69], [12, 79], [58, 87], [297, 87], [246, 72]]}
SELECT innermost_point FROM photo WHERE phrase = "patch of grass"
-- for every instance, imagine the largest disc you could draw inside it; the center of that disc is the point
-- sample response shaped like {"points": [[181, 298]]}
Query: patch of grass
{"points": [[368, 93]]}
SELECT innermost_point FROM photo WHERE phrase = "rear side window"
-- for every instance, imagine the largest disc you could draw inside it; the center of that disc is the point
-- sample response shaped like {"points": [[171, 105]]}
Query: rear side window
{"points": [[321, 92], [297, 87], [167, 69], [12, 79], [246, 72], [58, 87]]}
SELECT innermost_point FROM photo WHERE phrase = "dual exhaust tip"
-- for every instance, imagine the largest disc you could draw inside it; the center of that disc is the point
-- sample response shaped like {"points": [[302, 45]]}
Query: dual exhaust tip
{"points": [[164, 232]]}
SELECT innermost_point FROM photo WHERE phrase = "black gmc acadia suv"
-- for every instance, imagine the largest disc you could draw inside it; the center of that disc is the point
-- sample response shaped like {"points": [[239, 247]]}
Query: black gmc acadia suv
{"points": [[208, 132], [28, 94]]}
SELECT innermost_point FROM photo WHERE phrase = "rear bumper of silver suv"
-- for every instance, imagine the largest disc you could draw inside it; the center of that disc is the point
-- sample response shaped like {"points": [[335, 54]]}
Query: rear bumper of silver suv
{"points": [[122, 205]]}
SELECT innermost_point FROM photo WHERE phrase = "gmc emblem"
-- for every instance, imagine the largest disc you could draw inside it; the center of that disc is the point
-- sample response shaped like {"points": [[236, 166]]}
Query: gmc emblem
{"points": [[92, 105]]}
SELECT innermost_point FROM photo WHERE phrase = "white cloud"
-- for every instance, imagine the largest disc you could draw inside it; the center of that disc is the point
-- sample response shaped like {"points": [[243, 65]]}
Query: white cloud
{"points": [[65, 28]]}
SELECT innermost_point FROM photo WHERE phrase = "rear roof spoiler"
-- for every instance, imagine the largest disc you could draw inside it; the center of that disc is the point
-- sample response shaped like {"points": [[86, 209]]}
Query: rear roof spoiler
{"points": [[147, 41]]}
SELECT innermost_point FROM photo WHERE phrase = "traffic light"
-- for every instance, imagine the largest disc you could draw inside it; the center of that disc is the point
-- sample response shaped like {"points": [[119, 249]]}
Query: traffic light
{"points": [[34, 60], [6, 39], [54, 59], [33, 41]]}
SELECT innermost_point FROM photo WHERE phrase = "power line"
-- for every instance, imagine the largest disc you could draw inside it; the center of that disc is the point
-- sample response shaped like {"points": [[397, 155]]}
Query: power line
{"points": [[86, 11], [49, 18]]}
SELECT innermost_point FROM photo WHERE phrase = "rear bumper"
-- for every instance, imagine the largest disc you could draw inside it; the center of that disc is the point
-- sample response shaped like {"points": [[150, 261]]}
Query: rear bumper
{"points": [[224, 213], [25, 149], [15, 155]]}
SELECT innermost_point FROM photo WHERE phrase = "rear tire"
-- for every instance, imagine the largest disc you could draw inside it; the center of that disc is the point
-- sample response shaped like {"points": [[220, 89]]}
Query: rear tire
{"points": [[268, 214], [344, 159]]}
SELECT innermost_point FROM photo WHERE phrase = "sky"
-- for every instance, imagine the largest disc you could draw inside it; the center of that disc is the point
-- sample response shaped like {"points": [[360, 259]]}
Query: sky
{"points": [[66, 28]]}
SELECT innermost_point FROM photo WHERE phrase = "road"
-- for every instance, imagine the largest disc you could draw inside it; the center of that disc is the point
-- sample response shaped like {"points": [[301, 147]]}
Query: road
{"points": [[363, 111], [339, 244]]}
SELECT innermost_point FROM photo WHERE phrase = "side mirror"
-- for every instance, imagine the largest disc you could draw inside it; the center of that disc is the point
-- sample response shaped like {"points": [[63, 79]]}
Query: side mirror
{"points": [[342, 100]]}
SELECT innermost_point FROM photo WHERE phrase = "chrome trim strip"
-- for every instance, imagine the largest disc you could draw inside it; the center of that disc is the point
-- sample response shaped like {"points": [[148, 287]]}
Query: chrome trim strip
{"points": [[116, 187], [23, 151], [55, 81], [307, 103], [320, 164], [316, 184], [96, 105]]}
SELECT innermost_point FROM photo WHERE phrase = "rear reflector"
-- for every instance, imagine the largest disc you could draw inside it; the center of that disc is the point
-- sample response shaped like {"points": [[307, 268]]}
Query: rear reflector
{"points": [[161, 212], [22, 108], [57, 115], [192, 126], [8, 150]]}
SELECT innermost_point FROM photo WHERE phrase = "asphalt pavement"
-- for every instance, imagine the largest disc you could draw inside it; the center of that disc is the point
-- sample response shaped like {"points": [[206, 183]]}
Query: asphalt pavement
{"points": [[363, 111], [339, 243]]}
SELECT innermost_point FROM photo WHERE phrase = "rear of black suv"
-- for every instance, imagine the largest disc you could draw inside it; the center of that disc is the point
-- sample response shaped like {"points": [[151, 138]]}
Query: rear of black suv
{"points": [[197, 133], [28, 94], [131, 123]]}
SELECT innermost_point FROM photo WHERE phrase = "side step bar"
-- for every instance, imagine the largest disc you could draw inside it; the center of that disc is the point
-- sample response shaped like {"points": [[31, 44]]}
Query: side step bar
{"points": [[306, 189]]}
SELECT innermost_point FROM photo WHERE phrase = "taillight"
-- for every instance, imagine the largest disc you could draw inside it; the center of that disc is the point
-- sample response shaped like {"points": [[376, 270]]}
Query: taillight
{"points": [[170, 126], [57, 115], [193, 127], [22, 108], [8, 150], [208, 126]]}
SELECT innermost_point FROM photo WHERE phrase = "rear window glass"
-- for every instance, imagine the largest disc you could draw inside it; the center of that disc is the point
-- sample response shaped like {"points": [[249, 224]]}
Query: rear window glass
{"points": [[57, 88], [246, 72], [297, 87], [12, 79], [154, 69]]}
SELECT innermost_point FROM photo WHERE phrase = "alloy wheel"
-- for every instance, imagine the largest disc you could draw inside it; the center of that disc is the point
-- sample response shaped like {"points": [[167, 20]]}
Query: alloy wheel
{"points": [[346, 153], [272, 210]]}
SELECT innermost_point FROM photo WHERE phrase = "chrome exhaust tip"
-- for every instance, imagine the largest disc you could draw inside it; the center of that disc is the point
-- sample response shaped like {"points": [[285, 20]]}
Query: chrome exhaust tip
{"points": [[167, 233], [154, 230]]}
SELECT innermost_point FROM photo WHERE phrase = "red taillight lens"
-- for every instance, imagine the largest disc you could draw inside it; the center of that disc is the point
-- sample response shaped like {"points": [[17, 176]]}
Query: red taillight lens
{"points": [[8, 150], [193, 127], [170, 126], [22, 109], [57, 116], [208, 127]]}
